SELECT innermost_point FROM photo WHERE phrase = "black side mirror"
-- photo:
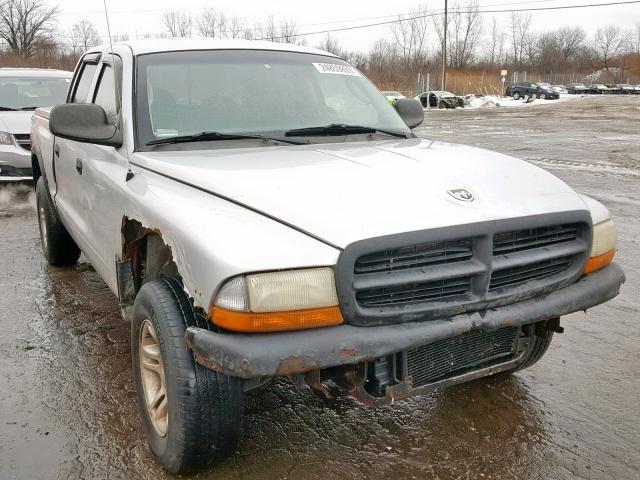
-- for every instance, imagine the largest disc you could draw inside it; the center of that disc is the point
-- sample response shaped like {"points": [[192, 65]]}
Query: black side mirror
{"points": [[410, 110], [84, 122]]}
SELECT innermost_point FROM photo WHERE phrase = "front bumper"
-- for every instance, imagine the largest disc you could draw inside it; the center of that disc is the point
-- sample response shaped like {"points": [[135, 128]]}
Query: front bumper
{"points": [[15, 164], [273, 354]]}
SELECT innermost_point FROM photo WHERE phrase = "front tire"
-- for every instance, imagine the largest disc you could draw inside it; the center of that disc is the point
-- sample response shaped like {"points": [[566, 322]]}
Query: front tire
{"points": [[57, 245], [192, 415], [516, 95]]}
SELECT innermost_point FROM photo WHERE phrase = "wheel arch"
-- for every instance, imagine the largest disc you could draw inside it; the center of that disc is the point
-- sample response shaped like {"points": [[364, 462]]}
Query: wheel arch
{"points": [[145, 255]]}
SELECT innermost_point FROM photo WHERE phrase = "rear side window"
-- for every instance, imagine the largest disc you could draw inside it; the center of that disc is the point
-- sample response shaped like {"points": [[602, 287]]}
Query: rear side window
{"points": [[84, 83], [105, 95]]}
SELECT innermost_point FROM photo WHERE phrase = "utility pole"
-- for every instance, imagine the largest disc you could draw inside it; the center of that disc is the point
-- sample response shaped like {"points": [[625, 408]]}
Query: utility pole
{"points": [[444, 49]]}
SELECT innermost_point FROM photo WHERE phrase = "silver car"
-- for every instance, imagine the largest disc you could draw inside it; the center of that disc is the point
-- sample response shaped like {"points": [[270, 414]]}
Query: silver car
{"points": [[22, 90]]}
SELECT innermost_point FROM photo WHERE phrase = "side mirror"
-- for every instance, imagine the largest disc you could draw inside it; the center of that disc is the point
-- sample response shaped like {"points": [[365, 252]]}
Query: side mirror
{"points": [[84, 122], [410, 110]]}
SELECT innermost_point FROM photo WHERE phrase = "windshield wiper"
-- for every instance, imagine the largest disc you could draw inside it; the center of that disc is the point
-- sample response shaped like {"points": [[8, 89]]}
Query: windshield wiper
{"points": [[8, 109], [28, 108], [340, 129], [214, 136]]}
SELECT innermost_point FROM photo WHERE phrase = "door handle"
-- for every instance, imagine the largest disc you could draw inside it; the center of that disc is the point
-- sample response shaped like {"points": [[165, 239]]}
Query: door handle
{"points": [[79, 166], [56, 150]]}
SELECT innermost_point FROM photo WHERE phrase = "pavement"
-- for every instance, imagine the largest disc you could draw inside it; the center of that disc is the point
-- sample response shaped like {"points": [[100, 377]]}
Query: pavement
{"points": [[67, 404]]}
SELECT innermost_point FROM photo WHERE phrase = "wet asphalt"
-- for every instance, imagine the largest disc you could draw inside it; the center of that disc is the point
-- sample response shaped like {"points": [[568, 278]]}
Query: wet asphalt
{"points": [[67, 405]]}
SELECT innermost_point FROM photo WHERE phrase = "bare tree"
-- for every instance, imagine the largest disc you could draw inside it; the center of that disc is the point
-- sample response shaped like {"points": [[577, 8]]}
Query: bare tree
{"points": [[331, 45], [520, 36], [608, 43], [635, 36], [495, 54], [465, 30], [570, 40], [178, 24], [235, 26], [410, 35], [212, 23], [83, 35], [26, 24]]}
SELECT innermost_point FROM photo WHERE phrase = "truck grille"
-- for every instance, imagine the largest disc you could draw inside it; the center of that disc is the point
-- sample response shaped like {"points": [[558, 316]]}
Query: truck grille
{"points": [[413, 256], [414, 292], [519, 240], [422, 275], [445, 358], [511, 277]]}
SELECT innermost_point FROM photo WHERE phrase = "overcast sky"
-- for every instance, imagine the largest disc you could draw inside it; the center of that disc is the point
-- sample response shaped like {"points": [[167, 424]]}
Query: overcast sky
{"points": [[145, 16]]}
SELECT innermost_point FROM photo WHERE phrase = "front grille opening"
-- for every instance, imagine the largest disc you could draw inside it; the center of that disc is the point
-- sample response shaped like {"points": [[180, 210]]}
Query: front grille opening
{"points": [[11, 171], [414, 256], [414, 292], [446, 358], [519, 240], [510, 277], [23, 139]]}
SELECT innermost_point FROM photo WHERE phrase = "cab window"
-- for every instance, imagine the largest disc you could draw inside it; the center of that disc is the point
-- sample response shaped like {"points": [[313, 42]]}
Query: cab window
{"points": [[105, 94], [83, 83]]}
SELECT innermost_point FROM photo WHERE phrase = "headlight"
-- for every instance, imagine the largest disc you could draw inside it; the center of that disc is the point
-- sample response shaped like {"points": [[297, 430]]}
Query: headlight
{"points": [[288, 300], [605, 237], [6, 138]]}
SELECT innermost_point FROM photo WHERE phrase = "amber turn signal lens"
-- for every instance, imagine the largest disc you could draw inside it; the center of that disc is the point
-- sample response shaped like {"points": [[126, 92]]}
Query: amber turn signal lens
{"points": [[276, 321], [601, 261]]}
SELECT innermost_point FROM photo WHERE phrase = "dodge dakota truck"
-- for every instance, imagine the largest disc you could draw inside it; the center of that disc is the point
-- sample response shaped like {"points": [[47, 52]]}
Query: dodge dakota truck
{"points": [[261, 210]]}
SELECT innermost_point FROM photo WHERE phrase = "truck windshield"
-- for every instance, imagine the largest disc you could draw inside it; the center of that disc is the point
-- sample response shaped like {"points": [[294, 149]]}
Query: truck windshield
{"points": [[28, 93], [253, 91]]}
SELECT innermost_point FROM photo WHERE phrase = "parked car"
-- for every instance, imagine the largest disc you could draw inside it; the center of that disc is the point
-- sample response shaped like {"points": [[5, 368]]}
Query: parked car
{"points": [[577, 88], [393, 96], [22, 90], [559, 89], [522, 89], [440, 99], [318, 239], [625, 88], [598, 89]]}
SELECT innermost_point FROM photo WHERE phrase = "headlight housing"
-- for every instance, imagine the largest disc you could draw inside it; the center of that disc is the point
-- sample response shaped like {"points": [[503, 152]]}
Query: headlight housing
{"points": [[6, 138], [275, 301], [603, 249]]}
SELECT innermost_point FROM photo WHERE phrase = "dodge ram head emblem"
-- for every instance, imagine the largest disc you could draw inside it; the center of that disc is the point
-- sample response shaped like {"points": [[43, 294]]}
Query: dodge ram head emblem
{"points": [[461, 194]]}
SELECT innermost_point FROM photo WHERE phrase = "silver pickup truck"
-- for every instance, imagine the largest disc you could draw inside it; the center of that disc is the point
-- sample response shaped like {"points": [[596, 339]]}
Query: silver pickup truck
{"points": [[261, 210]]}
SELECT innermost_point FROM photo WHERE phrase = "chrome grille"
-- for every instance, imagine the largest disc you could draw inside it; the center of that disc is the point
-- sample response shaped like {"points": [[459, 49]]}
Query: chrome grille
{"points": [[445, 358], [23, 139]]}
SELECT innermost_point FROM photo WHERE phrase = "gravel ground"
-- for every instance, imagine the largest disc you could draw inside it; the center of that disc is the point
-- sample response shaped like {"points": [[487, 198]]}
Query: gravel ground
{"points": [[67, 406]]}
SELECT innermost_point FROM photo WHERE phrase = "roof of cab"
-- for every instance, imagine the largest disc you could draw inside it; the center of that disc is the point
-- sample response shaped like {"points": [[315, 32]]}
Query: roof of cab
{"points": [[34, 72], [141, 47]]}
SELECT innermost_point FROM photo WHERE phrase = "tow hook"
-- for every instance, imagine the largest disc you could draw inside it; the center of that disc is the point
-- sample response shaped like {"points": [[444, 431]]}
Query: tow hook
{"points": [[552, 325]]}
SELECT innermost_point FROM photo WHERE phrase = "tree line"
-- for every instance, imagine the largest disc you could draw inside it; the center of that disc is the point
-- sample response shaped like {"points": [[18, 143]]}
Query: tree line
{"points": [[29, 29]]}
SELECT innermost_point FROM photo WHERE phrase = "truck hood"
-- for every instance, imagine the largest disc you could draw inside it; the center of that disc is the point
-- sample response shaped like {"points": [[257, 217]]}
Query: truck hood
{"points": [[16, 122], [351, 191]]}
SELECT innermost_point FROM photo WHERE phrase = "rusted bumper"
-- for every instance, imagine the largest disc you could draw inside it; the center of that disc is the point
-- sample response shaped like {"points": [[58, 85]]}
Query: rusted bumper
{"points": [[273, 354]]}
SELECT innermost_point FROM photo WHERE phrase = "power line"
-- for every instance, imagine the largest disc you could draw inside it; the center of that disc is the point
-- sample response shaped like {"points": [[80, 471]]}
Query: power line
{"points": [[436, 14]]}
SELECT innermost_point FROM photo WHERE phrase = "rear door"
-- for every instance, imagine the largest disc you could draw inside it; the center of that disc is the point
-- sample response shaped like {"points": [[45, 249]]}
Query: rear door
{"points": [[68, 160]]}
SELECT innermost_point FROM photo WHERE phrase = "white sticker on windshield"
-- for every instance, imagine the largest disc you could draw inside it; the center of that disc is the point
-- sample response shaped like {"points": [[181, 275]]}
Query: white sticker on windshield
{"points": [[336, 69]]}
